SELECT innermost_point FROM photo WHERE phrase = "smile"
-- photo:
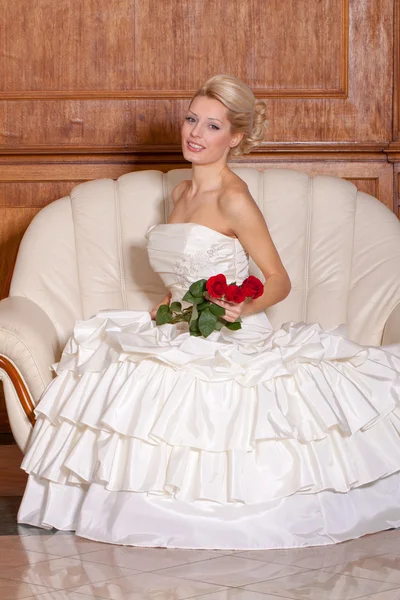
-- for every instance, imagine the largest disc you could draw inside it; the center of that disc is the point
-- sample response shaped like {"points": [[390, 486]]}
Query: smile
{"points": [[194, 147]]}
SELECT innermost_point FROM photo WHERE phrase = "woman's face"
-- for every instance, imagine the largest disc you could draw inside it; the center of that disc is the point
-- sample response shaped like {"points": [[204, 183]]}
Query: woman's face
{"points": [[206, 132]]}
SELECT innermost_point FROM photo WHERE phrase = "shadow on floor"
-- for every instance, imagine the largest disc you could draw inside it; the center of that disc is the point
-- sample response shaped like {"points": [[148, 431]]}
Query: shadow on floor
{"points": [[9, 506]]}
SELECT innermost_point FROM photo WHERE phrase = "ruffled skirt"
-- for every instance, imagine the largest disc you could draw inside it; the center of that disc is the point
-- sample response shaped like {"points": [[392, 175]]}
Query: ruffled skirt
{"points": [[249, 439]]}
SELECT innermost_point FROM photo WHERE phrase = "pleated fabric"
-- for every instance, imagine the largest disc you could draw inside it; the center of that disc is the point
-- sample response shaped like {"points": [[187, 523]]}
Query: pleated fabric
{"points": [[247, 439]]}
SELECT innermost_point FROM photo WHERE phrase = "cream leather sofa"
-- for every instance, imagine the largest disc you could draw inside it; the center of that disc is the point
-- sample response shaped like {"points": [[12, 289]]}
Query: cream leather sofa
{"points": [[87, 252]]}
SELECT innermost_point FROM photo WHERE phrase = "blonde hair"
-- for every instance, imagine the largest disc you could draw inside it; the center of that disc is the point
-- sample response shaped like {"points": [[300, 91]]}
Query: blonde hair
{"points": [[245, 113]]}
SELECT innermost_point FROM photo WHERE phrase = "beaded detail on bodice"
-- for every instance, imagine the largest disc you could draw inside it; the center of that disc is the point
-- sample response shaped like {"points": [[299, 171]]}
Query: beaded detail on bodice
{"points": [[182, 253]]}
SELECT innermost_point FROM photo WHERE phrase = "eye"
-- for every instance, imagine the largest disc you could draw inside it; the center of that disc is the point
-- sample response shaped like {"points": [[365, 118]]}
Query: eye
{"points": [[190, 119], [214, 127]]}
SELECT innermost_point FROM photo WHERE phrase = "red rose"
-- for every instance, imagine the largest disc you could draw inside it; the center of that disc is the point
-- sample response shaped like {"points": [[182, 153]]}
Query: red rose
{"points": [[252, 287], [234, 294], [216, 286]]}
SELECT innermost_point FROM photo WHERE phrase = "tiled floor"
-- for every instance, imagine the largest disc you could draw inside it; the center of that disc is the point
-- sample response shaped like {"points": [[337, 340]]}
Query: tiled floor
{"points": [[60, 566]]}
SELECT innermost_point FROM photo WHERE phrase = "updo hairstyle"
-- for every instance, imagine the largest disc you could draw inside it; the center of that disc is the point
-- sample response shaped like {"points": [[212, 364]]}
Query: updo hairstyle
{"points": [[245, 113]]}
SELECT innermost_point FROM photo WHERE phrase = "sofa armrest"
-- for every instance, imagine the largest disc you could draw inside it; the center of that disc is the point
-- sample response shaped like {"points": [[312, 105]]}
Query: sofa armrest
{"points": [[28, 346], [391, 331]]}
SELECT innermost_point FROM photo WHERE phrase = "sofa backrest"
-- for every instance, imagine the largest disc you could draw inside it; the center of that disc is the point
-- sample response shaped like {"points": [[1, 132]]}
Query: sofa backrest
{"points": [[341, 247]]}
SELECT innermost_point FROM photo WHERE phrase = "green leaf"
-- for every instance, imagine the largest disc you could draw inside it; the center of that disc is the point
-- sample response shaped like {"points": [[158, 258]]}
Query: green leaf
{"points": [[217, 310], [194, 328], [195, 313], [198, 288], [207, 322], [233, 326], [163, 316], [219, 325], [176, 306], [203, 305], [163, 308], [188, 297]]}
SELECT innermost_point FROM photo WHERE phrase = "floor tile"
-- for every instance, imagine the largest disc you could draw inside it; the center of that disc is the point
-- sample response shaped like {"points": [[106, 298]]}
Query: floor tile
{"points": [[237, 594], [391, 595], [62, 573], [380, 568], [320, 585], [147, 585], [60, 544], [14, 557], [318, 557], [386, 542], [231, 571], [67, 595], [147, 559], [16, 590]]}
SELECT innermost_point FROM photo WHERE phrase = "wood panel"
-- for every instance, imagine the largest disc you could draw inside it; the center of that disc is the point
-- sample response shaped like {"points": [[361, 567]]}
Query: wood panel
{"points": [[297, 47], [4, 422], [66, 45], [316, 31], [154, 48], [12, 478], [13, 222]]}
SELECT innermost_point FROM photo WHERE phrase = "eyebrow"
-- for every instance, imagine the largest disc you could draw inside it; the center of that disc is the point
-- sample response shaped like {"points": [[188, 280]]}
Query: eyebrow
{"points": [[209, 118]]}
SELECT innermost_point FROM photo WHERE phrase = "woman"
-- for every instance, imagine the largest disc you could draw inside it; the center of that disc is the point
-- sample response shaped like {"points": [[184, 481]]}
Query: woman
{"points": [[243, 440]]}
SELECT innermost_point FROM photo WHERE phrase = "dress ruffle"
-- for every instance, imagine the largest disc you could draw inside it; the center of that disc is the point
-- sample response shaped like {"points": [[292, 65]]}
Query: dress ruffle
{"points": [[243, 417]]}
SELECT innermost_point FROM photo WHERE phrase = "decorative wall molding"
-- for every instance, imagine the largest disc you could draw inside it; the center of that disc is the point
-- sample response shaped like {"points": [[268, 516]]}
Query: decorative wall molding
{"points": [[153, 153], [393, 151], [340, 92]]}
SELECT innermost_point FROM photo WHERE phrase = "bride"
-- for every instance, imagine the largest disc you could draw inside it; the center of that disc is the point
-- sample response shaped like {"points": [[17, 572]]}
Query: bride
{"points": [[248, 439]]}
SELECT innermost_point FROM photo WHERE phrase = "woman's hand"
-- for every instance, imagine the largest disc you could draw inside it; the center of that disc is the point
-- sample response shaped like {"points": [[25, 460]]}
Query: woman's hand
{"points": [[165, 300], [232, 311]]}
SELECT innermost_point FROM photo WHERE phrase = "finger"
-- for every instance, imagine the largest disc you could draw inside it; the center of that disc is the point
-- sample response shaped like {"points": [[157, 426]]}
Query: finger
{"points": [[231, 316], [233, 311], [219, 302]]}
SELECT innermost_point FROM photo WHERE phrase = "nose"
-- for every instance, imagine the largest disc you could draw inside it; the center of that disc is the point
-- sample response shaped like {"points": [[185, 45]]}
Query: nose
{"points": [[196, 129]]}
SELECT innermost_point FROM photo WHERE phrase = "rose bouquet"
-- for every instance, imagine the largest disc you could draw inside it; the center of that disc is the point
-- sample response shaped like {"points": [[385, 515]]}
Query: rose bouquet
{"points": [[204, 316]]}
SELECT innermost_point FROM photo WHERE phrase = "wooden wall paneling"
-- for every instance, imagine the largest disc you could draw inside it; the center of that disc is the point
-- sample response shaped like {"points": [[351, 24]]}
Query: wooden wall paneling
{"points": [[4, 422], [316, 31], [12, 478], [59, 126], [65, 47], [13, 222], [73, 41], [315, 92]]}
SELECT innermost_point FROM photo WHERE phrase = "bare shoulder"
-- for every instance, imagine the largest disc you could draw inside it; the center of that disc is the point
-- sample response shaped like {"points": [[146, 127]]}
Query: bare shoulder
{"points": [[236, 199], [179, 190]]}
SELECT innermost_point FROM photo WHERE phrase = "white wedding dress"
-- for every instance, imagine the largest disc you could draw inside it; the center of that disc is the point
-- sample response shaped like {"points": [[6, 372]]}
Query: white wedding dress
{"points": [[247, 439]]}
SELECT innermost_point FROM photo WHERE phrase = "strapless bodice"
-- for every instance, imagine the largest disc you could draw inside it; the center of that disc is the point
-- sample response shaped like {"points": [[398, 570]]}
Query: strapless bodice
{"points": [[182, 253]]}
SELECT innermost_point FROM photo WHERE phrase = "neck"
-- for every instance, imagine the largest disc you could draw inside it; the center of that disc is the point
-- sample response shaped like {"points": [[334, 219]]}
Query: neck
{"points": [[206, 178]]}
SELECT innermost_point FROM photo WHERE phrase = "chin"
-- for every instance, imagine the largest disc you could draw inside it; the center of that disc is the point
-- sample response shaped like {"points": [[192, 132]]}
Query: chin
{"points": [[194, 158], [202, 158]]}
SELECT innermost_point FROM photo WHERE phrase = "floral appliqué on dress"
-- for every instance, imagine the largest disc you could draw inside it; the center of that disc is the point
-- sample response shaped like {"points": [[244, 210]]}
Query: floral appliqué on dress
{"points": [[190, 267]]}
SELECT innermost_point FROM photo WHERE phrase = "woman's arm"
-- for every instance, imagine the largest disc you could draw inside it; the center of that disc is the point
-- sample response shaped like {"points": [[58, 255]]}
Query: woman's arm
{"points": [[247, 222]]}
